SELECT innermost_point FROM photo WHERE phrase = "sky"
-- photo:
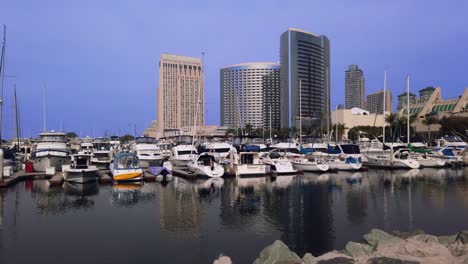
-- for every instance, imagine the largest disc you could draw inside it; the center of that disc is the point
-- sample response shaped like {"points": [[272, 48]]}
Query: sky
{"points": [[99, 59]]}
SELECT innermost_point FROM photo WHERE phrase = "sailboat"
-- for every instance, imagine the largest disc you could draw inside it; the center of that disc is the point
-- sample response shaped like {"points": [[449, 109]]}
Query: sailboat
{"points": [[393, 159]]}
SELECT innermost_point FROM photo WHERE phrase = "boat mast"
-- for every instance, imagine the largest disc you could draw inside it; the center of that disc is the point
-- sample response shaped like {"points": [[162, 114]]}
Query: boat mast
{"points": [[198, 102], [407, 110], [2, 76], [271, 140], [44, 106], [18, 135], [328, 106], [300, 111], [383, 112]]}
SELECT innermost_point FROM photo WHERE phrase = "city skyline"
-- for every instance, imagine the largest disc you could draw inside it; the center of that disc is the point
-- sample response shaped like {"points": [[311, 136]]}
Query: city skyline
{"points": [[112, 54]]}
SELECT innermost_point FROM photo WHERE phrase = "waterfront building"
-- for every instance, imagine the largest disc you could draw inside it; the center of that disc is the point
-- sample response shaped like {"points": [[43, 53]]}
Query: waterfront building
{"points": [[180, 87], [354, 87], [356, 117], [438, 107], [305, 59], [249, 91], [425, 94], [402, 100], [375, 102]]}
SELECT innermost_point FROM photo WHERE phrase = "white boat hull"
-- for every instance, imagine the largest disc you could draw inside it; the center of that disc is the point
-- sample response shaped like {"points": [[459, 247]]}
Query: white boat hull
{"points": [[305, 165], [206, 171], [375, 161], [101, 164], [343, 166], [40, 163], [80, 175], [245, 169], [431, 162], [280, 167]]}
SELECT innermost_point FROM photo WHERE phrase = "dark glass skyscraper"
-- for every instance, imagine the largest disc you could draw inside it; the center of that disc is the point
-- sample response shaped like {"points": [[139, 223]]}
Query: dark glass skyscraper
{"points": [[355, 88], [305, 59]]}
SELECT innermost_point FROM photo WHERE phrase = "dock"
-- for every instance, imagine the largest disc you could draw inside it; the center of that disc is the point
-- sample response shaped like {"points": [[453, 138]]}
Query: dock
{"points": [[21, 176], [104, 177], [56, 180]]}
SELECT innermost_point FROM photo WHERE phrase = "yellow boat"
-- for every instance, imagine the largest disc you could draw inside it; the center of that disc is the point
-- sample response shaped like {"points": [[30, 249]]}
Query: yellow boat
{"points": [[126, 167]]}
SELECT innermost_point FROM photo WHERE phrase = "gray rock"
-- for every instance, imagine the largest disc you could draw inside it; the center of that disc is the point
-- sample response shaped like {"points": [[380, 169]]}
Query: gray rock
{"points": [[357, 249], [377, 236], [334, 257], [308, 259], [389, 260], [463, 237], [405, 235], [277, 253], [426, 238], [222, 260], [447, 240]]}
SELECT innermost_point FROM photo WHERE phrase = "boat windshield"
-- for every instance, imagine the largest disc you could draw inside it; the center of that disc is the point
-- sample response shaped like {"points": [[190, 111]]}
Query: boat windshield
{"points": [[221, 150], [147, 140], [351, 149], [102, 146], [186, 152], [127, 162], [453, 139]]}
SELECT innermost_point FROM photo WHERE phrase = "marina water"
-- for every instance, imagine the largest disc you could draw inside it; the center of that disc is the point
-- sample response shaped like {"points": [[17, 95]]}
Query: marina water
{"points": [[194, 221]]}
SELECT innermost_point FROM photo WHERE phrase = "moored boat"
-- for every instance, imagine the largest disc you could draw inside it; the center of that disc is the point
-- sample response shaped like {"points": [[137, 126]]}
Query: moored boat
{"points": [[126, 167], [80, 170], [50, 151]]}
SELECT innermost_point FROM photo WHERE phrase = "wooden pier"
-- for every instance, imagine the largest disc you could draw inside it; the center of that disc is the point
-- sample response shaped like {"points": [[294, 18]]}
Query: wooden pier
{"points": [[21, 176]]}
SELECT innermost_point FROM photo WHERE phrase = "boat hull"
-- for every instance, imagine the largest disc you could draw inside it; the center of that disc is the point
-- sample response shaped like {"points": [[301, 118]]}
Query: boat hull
{"points": [[245, 169], [309, 166], [391, 164], [146, 163], [80, 176], [40, 163], [343, 166], [101, 164]]}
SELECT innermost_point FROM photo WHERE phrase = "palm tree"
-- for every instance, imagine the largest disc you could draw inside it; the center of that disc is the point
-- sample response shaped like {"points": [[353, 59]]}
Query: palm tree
{"points": [[391, 120], [340, 128], [428, 121]]}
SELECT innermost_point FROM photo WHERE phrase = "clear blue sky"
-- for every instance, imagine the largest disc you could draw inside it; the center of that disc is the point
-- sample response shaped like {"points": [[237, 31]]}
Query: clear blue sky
{"points": [[99, 58]]}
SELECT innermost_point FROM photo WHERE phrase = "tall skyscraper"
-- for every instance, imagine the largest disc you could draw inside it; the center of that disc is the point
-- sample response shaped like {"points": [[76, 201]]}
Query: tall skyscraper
{"points": [[355, 88], [249, 91], [305, 59], [402, 100], [180, 87], [375, 102], [425, 94]]}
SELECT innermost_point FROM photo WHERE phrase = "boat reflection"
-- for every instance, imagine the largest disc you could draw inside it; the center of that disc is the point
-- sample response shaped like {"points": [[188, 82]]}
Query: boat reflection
{"points": [[81, 189], [126, 194], [314, 178]]}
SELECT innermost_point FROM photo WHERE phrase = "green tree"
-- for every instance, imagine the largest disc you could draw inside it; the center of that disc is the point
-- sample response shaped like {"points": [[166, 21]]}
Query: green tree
{"points": [[248, 129], [391, 119], [340, 128], [428, 121], [71, 135], [126, 138]]}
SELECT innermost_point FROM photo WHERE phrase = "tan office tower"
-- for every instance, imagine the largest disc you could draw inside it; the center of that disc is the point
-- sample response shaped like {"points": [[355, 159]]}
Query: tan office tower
{"points": [[180, 87]]}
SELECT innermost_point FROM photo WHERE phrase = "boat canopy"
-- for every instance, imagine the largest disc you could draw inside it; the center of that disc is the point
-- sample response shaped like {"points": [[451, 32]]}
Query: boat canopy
{"points": [[125, 161], [147, 140]]}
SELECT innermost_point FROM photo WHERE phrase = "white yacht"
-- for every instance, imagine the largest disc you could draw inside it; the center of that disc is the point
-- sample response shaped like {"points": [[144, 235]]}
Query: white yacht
{"points": [[86, 148], [182, 154], [205, 165], [400, 159], [289, 150], [101, 153], [310, 164], [115, 143], [147, 152], [222, 149], [126, 167], [344, 157], [49, 151], [278, 164], [80, 170], [244, 164], [165, 148], [426, 157]]}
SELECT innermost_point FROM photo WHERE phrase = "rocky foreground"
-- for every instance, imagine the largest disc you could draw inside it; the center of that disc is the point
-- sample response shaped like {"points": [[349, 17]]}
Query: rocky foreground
{"points": [[377, 247]]}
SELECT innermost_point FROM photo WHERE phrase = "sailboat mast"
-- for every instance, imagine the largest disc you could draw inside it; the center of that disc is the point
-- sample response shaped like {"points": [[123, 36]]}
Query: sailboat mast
{"points": [[408, 109], [44, 107], [2, 76], [195, 122], [18, 136], [271, 142], [383, 112], [300, 111]]}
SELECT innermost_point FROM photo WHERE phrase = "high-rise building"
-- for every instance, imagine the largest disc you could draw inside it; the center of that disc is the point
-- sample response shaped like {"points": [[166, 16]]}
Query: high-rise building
{"points": [[402, 100], [375, 102], [180, 88], [355, 88], [249, 92], [425, 94], [305, 60]]}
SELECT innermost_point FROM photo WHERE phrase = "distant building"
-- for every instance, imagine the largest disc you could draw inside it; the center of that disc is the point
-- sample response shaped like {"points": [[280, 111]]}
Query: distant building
{"points": [[402, 100], [425, 94], [375, 102], [356, 117], [355, 88], [180, 88], [249, 91], [305, 59], [340, 106]]}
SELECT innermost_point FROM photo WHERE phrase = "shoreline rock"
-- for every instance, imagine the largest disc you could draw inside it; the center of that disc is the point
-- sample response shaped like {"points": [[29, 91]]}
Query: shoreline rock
{"points": [[378, 247]]}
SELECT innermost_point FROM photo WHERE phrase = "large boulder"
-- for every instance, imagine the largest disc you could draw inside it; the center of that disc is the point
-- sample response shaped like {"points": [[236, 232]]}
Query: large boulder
{"points": [[334, 257], [222, 260], [405, 235], [377, 236], [308, 259], [277, 253], [463, 237], [447, 240], [357, 249], [426, 238]]}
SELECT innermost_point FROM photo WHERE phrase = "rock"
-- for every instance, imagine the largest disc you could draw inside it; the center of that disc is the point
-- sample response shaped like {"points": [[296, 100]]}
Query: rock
{"points": [[357, 249], [308, 259], [389, 260], [463, 237], [222, 260], [405, 235], [334, 257], [458, 249], [447, 240], [377, 236], [277, 253], [426, 238]]}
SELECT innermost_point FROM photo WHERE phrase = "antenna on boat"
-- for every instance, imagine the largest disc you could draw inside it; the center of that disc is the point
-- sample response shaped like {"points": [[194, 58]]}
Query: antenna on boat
{"points": [[407, 109], [44, 106]]}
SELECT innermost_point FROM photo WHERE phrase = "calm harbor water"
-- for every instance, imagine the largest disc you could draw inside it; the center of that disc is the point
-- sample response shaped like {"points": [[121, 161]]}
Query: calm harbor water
{"points": [[194, 221]]}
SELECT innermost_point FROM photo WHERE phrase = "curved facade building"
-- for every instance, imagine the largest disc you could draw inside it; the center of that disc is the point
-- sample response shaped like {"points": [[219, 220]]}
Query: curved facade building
{"points": [[250, 94]]}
